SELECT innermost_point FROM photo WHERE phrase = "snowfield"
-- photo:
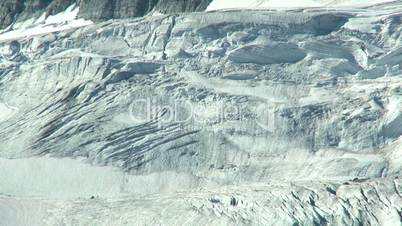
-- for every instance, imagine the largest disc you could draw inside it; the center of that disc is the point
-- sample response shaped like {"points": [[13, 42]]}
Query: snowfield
{"points": [[226, 117], [42, 25], [288, 4]]}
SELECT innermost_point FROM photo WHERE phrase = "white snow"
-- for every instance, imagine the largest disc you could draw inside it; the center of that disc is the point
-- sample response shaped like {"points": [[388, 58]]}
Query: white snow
{"points": [[230, 4], [22, 211], [57, 177], [69, 178], [62, 21], [69, 14], [6, 112], [258, 4]]}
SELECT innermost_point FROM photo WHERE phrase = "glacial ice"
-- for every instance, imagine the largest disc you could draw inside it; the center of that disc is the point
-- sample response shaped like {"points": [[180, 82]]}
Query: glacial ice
{"points": [[295, 120]]}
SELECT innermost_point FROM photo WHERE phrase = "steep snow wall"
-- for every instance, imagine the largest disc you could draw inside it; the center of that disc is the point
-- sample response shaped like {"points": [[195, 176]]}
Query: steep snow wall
{"points": [[304, 97], [234, 117]]}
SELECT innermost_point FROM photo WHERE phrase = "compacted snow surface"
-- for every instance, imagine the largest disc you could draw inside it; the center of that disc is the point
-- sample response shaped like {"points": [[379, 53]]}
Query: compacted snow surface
{"points": [[232, 117], [276, 4]]}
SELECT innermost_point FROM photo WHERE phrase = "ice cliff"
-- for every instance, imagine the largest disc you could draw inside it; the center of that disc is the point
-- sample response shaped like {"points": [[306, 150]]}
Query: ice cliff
{"points": [[237, 117]]}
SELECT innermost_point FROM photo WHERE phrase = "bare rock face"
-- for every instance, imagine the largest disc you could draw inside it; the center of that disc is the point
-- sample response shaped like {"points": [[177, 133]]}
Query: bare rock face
{"points": [[14, 10], [106, 9], [9, 9], [57, 6], [174, 6]]}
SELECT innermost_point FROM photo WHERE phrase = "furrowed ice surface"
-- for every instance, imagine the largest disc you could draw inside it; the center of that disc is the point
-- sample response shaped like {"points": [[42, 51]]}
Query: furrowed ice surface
{"points": [[236, 117]]}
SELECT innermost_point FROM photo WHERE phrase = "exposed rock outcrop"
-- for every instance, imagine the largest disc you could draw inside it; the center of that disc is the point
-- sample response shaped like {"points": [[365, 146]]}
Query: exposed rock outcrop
{"points": [[9, 9], [104, 9], [18, 10]]}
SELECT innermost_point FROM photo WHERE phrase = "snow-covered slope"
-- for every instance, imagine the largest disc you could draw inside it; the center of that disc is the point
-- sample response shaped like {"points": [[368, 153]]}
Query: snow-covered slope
{"points": [[243, 117], [275, 4], [44, 25]]}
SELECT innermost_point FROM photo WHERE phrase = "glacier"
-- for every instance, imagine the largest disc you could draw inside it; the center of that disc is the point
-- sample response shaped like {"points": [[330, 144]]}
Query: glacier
{"points": [[224, 117], [291, 4]]}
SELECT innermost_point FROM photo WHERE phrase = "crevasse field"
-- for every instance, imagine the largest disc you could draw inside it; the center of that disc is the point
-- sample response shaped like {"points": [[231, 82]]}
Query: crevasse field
{"points": [[257, 112]]}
